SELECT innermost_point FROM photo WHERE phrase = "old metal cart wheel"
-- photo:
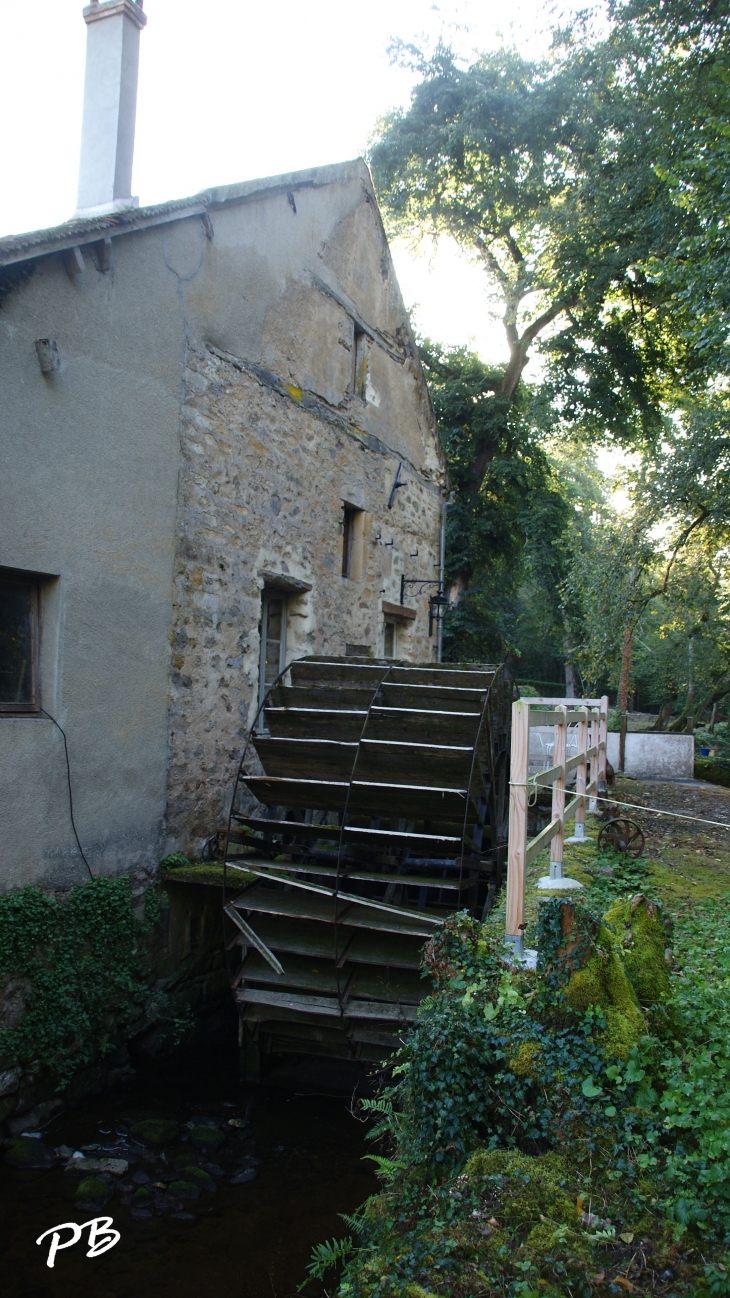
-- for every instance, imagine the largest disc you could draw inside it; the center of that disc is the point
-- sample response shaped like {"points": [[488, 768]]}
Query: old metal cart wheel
{"points": [[623, 835]]}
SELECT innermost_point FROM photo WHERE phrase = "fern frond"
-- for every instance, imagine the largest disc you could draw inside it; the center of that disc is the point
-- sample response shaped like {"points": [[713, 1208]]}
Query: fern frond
{"points": [[386, 1166], [328, 1254]]}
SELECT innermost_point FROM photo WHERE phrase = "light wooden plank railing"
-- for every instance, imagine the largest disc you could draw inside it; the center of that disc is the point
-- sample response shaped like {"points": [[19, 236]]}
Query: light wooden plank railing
{"points": [[589, 763]]}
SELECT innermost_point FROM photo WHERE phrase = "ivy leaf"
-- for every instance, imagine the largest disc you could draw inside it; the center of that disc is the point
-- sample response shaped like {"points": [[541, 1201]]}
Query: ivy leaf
{"points": [[589, 1088]]}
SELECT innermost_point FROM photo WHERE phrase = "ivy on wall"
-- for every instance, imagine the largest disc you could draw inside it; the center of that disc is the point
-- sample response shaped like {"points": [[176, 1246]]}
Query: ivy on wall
{"points": [[73, 968]]}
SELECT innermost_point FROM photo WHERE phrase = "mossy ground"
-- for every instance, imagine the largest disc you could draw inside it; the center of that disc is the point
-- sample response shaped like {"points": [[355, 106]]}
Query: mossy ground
{"points": [[526, 1221]]}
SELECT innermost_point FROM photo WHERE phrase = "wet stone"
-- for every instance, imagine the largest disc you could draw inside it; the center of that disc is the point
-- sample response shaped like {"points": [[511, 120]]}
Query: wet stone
{"points": [[28, 1152], [155, 1131], [248, 1174], [201, 1179], [202, 1137], [184, 1190], [93, 1190], [140, 1178]]}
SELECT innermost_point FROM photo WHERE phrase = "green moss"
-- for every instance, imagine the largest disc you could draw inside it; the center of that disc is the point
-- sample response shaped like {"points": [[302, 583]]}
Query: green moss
{"points": [[603, 983], [155, 1131], [206, 1138], [524, 1062], [529, 1187], [199, 1178], [184, 1190], [641, 932], [93, 1190], [209, 873], [712, 769], [28, 1152]]}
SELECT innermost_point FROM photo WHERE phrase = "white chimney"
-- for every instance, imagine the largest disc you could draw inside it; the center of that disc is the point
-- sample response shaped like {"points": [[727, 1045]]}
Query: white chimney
{"points": [[110, 106]]}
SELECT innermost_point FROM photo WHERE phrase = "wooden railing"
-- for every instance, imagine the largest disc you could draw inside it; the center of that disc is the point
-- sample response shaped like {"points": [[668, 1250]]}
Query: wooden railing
{"points": [[590, 717]]}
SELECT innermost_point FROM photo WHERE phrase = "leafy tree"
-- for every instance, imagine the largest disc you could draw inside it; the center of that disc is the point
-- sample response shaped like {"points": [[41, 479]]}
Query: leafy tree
{"points": [[545, 173], [674, 55], [509, 512]]}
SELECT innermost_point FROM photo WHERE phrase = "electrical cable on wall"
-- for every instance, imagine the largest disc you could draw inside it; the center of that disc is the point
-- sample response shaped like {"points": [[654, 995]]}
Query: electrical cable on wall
{"points": [[70, 794]]}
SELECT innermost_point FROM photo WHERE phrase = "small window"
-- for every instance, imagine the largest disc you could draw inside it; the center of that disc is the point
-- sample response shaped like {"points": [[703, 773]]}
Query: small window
{"points": [[353, 542], [273, 639], [390, 639], [18, 643], [348, 536], [360, 362]]}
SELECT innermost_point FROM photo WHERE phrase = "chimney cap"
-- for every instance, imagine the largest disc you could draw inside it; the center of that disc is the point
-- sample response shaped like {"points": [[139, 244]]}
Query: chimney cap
{"points": [[99, 9]]}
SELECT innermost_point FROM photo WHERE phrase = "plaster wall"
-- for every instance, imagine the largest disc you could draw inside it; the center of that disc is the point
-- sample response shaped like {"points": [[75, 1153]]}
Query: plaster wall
{"points": [[655, 756], [88, 480]]}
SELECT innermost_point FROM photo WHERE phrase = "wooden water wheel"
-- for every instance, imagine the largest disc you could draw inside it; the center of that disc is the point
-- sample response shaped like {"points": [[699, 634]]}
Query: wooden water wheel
{"points": [[371, 804]]}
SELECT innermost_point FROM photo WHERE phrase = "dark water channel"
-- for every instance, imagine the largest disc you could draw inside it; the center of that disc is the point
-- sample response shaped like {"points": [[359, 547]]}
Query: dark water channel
{"points": [[280, 1182]]}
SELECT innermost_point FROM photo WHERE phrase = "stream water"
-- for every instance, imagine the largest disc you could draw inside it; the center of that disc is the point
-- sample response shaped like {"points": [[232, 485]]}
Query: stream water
{"points": [[290, 1160]]}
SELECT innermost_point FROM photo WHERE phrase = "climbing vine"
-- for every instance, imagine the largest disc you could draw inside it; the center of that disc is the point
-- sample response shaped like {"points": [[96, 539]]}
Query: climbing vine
{"points": [[71, 971]]}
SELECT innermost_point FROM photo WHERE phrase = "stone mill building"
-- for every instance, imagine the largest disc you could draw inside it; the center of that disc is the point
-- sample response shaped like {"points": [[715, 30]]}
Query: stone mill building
{"points": [[217, 454]]}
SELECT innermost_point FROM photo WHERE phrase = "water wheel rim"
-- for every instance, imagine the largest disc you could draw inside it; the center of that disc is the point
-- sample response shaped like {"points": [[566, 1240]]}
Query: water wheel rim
{"points": [[624, 834]]}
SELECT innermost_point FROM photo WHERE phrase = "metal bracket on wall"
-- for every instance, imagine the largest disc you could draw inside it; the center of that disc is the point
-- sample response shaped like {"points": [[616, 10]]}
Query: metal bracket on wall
{"points": [[398, 483], [436, 603]]}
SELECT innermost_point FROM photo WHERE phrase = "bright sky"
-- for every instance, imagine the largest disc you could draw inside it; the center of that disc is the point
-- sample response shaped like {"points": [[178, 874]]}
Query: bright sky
{"points": [[232, 90]]}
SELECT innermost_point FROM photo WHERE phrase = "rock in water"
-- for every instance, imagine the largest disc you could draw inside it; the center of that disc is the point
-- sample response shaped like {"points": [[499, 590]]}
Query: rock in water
{"points": [[28, 1152], [206, 1138], [155, 1131], [183, 1190], [198, 1177], [93, 1190], [248, 1174]]}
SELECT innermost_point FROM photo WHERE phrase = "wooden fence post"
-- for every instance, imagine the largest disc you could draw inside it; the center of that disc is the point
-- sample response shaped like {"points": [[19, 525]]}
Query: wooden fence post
{"points": [[602, 746], [519, 769], [581, 779], [593, 729], [558, 811]]}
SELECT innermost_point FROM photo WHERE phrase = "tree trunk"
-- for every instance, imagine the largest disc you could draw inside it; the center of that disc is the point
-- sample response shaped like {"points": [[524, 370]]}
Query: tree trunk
{"points": [[623, 691], [664, 714], [571, 676], [713, 718]]}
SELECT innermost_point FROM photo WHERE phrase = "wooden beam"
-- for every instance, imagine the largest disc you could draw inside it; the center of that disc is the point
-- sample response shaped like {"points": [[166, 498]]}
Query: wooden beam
{"points": [[252, 939], [541, 840]]}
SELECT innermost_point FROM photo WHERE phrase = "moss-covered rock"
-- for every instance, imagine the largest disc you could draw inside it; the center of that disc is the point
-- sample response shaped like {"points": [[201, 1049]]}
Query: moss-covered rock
{"points": [[639, 925], [93, 1189], [602, 982], [206, 1138], [200, 1178], [184, 1189], [143, 1195], [527, 1188], [155, 1131], [28, 1152]]}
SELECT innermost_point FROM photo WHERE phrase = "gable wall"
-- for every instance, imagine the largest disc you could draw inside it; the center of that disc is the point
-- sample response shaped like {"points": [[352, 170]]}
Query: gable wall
{"points": [[203, 428]]}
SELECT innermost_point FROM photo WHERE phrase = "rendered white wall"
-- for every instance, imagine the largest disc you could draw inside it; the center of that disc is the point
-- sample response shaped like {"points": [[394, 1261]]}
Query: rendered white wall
{"points": [[655, 756]]}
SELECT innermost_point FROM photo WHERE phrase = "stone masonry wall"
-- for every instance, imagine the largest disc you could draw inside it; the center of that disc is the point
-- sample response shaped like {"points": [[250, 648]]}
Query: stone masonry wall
{"points": [[266, 467]]}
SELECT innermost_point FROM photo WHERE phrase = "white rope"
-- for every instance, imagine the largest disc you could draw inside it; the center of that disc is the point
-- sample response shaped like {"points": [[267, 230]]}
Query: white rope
{"points": [[632, 806]]}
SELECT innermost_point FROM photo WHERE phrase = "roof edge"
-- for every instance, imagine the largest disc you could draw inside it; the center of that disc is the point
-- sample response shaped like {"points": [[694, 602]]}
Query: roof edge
{"points": [[41, 243]]}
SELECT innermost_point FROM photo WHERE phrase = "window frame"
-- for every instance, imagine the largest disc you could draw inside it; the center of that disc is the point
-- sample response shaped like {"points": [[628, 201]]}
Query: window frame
{"points": [[392, 623], [31, 708], [268, 593]]}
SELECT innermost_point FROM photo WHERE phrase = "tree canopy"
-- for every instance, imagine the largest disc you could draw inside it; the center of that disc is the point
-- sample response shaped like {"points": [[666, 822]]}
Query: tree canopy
{"points": [[591, 190]]}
